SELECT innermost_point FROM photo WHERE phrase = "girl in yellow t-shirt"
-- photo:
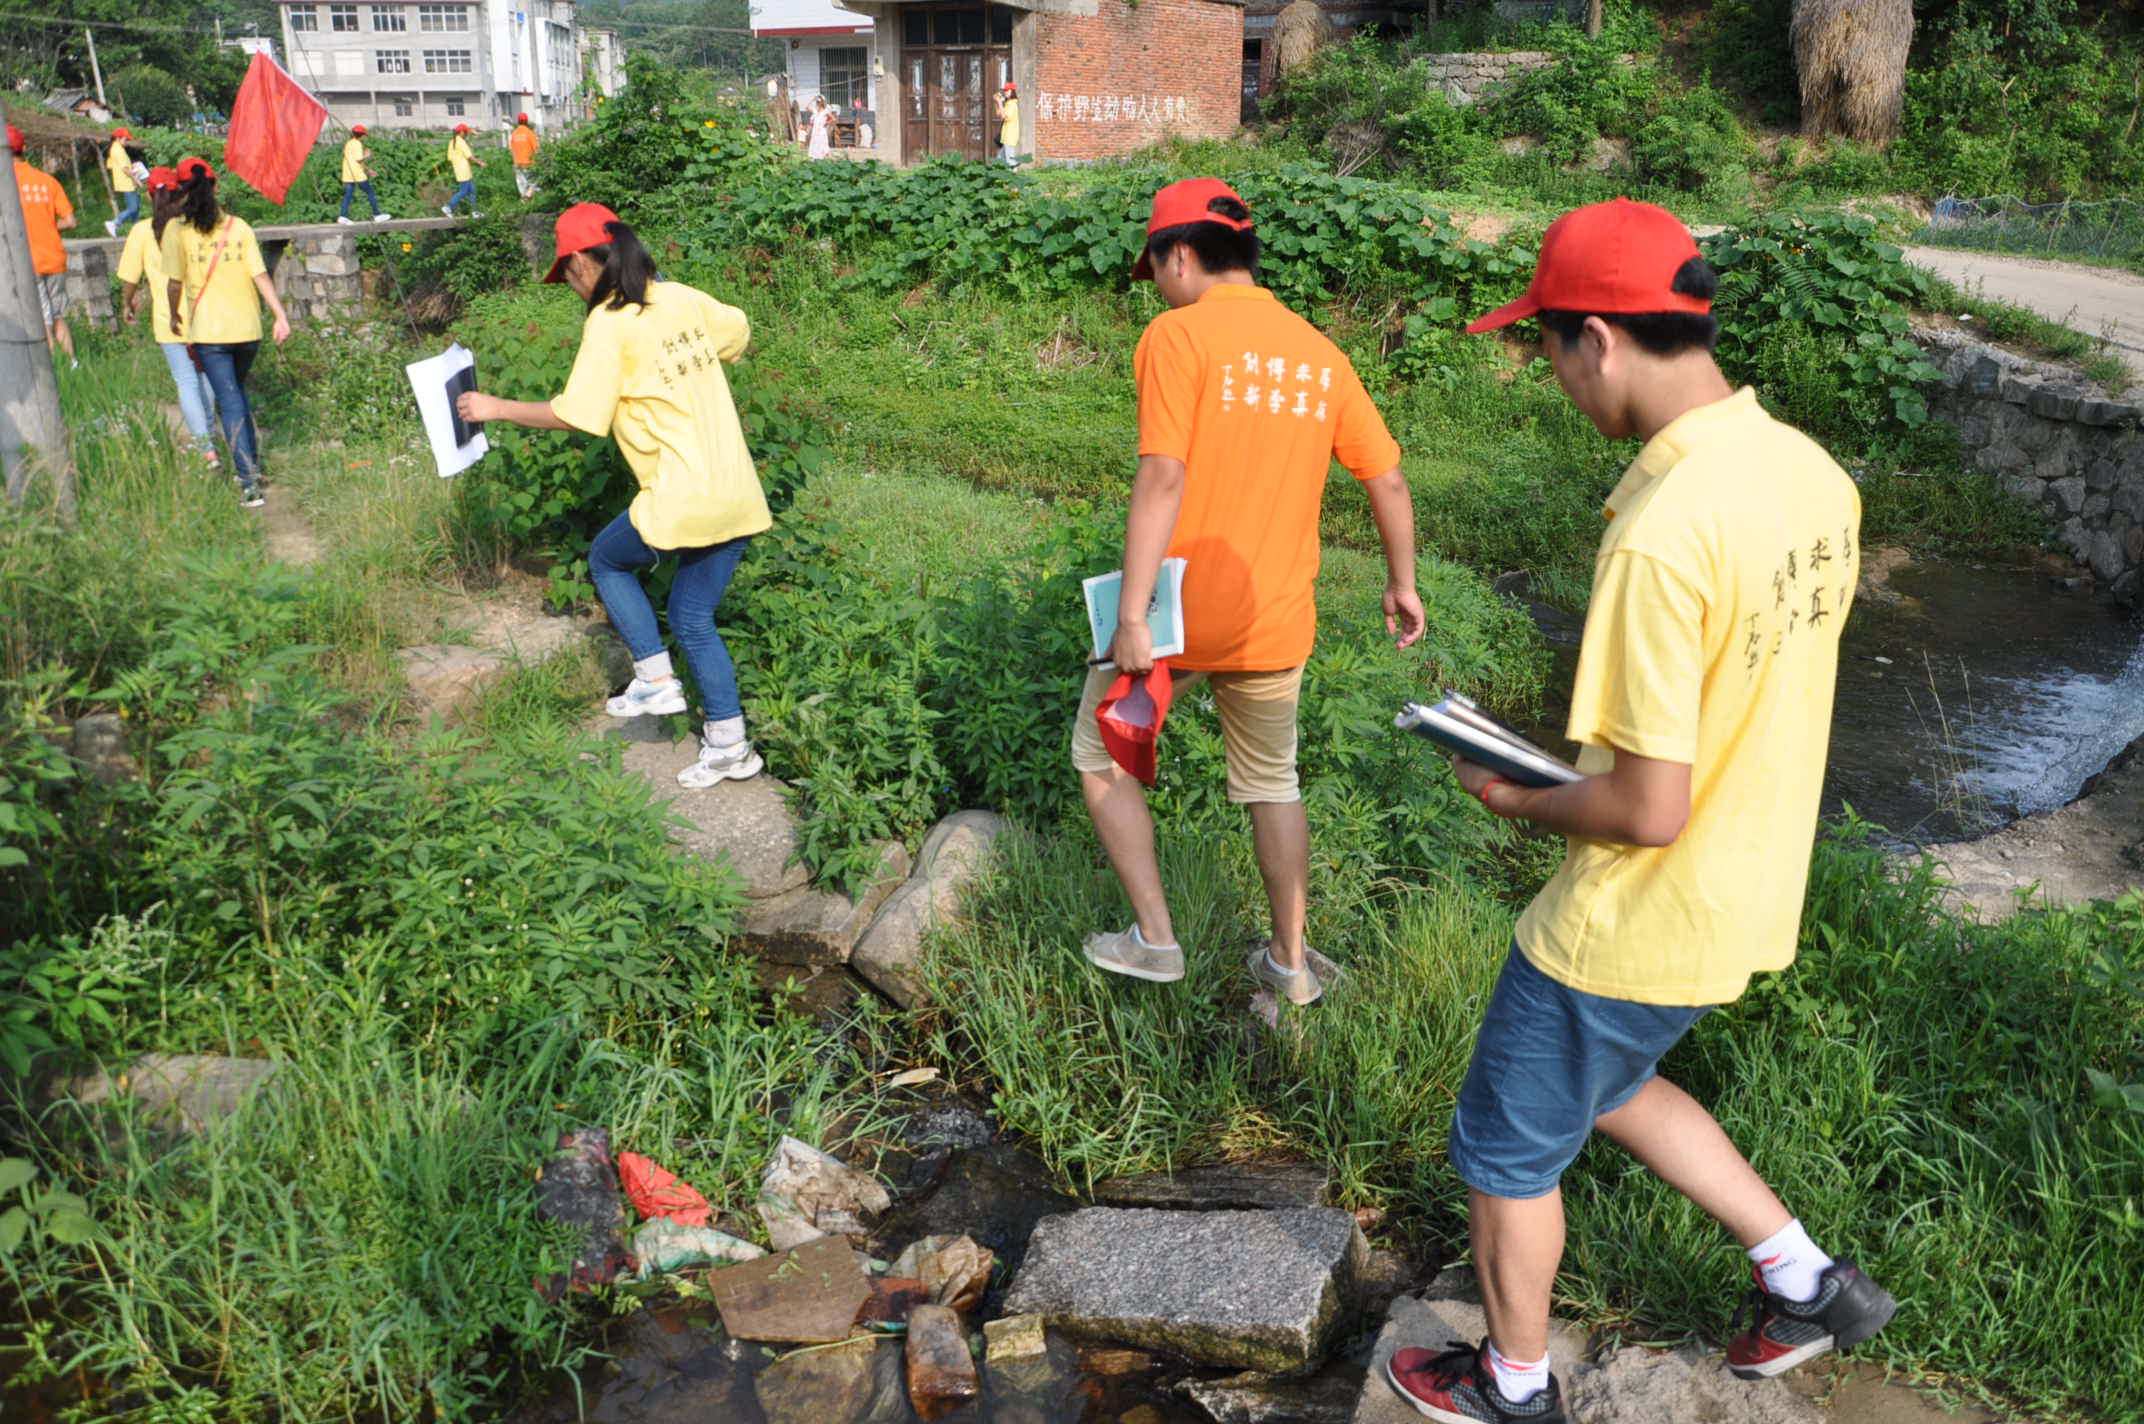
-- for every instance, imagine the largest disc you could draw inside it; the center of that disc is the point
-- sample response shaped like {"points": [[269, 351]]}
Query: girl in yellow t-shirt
{"points": [[650, 373], [141, 275], [459, 157], [216, 281], [120, 164]]}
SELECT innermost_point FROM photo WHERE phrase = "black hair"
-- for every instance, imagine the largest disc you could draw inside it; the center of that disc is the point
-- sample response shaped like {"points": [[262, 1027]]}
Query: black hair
{"points": [[1659, 333], [163, 207], [197, 201], [627, 270], [1218, 247]]}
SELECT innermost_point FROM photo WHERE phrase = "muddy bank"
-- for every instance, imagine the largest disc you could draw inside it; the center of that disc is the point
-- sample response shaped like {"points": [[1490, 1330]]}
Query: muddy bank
{"points": [[2091, 849]]}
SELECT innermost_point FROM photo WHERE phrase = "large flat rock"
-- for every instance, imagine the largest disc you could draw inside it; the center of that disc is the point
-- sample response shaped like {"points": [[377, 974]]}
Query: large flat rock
{"points": [[746, 823], [1259, 1290], [176, 1092]]}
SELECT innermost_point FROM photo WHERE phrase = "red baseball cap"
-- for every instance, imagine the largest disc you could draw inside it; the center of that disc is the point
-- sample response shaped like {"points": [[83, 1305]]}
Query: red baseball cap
{"points": [[1130, 716], [579, 228], [1186, 202], [521, 118], [1614, 257], [162, 179], [122, 133], [192, 168], [461, 128], [357, 130], [14, 139]]}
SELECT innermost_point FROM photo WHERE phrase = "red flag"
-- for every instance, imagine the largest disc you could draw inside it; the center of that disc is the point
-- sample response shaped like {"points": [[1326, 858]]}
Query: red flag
{"points": [[274, 124]]}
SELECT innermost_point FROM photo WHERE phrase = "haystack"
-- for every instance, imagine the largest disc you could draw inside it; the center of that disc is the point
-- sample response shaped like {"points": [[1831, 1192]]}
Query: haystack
{"points": [[1299, 32], [1851, 58]]}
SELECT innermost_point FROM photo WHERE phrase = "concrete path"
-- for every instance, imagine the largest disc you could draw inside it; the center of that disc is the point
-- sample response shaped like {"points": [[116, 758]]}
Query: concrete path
{"points": [[2098, 301]]}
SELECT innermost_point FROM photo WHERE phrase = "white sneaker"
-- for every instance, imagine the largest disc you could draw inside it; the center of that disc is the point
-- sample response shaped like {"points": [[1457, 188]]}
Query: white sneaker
{"points": [[474, 213], [345, 222], [447, 208], [648, 699], [382, 217], [111, 227], [252, 497], [719, 764]]}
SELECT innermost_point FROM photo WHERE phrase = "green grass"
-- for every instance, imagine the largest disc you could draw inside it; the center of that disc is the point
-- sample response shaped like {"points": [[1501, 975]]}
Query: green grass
{"points": [[2024, 329]]}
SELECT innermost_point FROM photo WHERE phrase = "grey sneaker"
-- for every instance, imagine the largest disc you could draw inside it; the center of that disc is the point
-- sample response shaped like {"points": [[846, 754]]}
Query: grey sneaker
{"points": [[1298, 987], [648, 699], [719, 764], [251, 497], [1124, 953]]}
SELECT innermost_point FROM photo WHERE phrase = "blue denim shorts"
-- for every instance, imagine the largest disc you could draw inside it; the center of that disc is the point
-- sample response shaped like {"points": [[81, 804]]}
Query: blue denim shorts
{"points": [[1548, 1061]]}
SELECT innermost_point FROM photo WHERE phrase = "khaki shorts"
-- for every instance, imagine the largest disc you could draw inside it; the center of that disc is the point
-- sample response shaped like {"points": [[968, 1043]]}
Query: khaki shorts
{"points": [[52, 296], [1257, 727]]}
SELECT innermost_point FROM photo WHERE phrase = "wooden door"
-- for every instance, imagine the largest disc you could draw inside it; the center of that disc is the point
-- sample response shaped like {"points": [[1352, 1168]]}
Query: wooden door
{"points": [[950, 69]]}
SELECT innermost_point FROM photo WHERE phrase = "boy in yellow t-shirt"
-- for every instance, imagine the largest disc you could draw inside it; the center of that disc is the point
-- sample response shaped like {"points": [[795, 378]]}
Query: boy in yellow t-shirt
{"points": [[120, 165], [357, 174], [1703, 705], [459, 157]]}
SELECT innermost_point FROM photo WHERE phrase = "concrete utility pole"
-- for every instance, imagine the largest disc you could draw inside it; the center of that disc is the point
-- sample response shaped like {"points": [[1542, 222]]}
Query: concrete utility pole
{"points": [[95, 72], [33, 433]]}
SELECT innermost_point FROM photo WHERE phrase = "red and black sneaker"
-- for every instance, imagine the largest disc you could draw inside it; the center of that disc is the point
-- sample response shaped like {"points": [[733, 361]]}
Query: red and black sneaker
{"points": [[1455, 1386], [1848, 1308]]}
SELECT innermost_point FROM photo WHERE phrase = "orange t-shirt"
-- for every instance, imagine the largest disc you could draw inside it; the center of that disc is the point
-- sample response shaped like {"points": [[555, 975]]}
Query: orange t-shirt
{"points": [[1257, 404], [523, 142], [44, 203]]}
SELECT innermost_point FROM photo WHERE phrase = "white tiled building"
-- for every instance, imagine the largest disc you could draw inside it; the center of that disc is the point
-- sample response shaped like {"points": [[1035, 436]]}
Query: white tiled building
{"points": [[829, 51], [436, 63]]}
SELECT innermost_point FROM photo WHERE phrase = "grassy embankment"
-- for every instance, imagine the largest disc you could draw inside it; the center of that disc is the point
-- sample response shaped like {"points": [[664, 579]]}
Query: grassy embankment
{"points": [[968, 431]]}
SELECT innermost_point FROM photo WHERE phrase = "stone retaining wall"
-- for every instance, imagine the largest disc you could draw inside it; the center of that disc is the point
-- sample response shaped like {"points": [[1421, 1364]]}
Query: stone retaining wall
{"points": [[315, 272], [2055, 440], [1465, 78]]}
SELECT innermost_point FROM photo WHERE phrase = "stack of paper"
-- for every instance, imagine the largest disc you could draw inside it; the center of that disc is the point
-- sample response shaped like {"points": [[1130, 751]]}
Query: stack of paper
{"points": [[1458, 725]]}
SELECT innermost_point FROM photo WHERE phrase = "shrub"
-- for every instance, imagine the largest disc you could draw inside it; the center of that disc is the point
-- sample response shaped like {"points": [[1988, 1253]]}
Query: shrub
{"points": [[1694, 143], [149, 94], [1589, 92]]}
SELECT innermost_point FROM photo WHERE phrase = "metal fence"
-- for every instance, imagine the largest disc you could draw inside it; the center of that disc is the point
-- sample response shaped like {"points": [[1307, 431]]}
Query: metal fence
{"points": [[2106, 230]]}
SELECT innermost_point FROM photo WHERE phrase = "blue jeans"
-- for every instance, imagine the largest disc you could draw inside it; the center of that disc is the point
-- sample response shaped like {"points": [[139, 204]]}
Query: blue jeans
{"points": [[129, 208], [464, 189], [703, 575], [350, 189], [1548, 1062], [197, 402], [225, 364]]}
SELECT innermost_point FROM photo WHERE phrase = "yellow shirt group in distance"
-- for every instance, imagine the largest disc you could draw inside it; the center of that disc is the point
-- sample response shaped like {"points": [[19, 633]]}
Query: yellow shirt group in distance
{"points": [[1722, 582], [141, 260], [228, 310], [353, 160], [653, 377], [458, 156], [122, 168], [1009, 126]]}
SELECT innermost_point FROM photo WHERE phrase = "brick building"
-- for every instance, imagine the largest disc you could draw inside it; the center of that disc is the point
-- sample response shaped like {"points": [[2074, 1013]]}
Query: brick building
{"points": [[1096, 78]]}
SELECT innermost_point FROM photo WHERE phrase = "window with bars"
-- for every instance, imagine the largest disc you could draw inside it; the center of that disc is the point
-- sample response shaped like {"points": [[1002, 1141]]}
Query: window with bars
{"points": [[390, 61], [448, 61], [404, 108], [304, 17], [442, 19], [844, 77], [456, 108], [342, 17], [389, 18]]}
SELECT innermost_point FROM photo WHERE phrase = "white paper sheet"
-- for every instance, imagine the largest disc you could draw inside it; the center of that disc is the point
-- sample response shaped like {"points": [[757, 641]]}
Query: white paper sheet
{"points": [[436, 380]]}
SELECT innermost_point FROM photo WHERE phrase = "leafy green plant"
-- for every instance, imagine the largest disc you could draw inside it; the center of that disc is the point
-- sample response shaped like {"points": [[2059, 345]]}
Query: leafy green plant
{"points": [[51, 1214]]}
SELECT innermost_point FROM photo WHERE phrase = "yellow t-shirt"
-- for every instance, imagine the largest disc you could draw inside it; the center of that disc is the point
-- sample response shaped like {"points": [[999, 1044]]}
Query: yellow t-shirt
{"points": [[652, 376], [1009, 126], [230, 309], [1721, 585], [122, 168], [353, 160], [141, 260], [459, 154]]}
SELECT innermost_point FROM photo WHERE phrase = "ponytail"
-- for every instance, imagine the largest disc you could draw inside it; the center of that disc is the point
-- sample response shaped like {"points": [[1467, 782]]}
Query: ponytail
{"points": [[627, 270], [197, 202]]}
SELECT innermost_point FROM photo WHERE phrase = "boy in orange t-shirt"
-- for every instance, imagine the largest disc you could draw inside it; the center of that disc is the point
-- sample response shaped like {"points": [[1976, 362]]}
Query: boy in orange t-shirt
{"points": [[46, 213], [1243, 406]]}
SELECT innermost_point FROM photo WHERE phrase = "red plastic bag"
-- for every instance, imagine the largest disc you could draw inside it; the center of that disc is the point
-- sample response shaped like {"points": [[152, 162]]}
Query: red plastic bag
{"points": [[657, 1194], [1131, 715]]}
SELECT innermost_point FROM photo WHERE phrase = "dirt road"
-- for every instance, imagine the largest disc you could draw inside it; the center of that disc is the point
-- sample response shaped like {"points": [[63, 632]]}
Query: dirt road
{"points": [[2098, 301]]}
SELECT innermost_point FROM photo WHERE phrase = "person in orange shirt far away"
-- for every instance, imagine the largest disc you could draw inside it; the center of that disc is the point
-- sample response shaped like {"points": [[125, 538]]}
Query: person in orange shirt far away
{"points": [[1243, 406], [46, 213], [524, 143]]}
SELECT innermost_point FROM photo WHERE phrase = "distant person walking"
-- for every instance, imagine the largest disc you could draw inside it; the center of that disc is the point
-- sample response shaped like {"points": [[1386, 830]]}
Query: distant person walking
{"points": [[460, 157], [1243, 407], [524, 143], [649, 372], [822, 128], [357, 174], [1702, 704], [141, 270], [120, 164], [216, 281], [46, 213], [1008, 125]]}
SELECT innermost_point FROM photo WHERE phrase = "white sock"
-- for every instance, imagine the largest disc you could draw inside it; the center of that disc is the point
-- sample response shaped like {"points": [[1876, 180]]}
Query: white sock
{"points": [[725, 732], [1279, 968], [1790, 1262], [1140, 939], [1515, 1381], [653, 669]]}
